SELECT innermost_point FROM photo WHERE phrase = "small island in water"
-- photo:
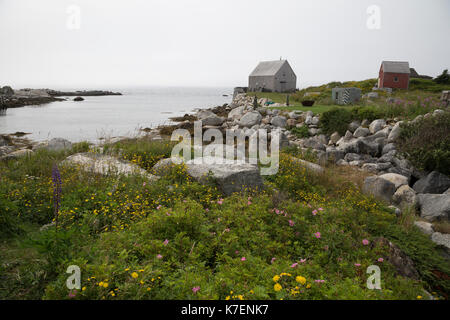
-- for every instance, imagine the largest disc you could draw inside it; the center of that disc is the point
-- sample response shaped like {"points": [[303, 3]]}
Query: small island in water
{"points": [[10, 98]]}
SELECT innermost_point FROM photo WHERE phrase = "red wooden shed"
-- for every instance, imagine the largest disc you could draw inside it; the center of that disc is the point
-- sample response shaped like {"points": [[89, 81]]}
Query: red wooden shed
{"points": [[394, 74]]}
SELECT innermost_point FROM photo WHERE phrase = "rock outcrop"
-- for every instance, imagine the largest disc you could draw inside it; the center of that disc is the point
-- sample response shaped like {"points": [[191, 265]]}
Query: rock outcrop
{"points": [[230, 176], [379, 188], [434, 183], [104, 165], [434, 206]]}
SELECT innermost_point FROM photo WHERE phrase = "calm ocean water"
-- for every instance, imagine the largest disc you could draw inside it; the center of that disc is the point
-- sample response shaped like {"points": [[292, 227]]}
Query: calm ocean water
{"points": [[110, 116]]}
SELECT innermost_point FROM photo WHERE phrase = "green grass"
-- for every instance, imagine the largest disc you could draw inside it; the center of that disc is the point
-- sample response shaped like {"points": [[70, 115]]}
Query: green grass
{"points": [[114, 228], [317, 109], [294, 105]]}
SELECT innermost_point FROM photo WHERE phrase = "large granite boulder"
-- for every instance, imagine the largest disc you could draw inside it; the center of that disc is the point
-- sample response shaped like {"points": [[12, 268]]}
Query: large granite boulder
{"points": [[388, 148], [230, 176], [395, 133], [314, 143], [334, 155], [424, 227], [250, 119], [217, 150], [17, 154], [335, 137], [368, 147], [377, 125], [354, 125], [434, 183], [294, 114], [442, 240], [105, 165], [236, 113], [213, 120], [379, 188], [376, 167], [309, 165], [352, 157], [58, 144], [397, 179], [279, 121], [434, 206], [351, 146], [203, 114], [291, 122], [405, 196], [361, 132]]}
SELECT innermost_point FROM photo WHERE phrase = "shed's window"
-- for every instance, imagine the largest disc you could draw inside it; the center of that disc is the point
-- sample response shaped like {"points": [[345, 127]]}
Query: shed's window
{"points": [[395, 79]]}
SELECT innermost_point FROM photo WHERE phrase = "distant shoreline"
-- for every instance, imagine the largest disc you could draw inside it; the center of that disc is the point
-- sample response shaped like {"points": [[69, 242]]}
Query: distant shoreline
{"points": [[10, 98]]}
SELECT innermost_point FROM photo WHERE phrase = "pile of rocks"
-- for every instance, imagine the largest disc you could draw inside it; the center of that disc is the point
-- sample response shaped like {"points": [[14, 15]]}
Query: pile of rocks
{"points": [[367, 145], [12, 147]]}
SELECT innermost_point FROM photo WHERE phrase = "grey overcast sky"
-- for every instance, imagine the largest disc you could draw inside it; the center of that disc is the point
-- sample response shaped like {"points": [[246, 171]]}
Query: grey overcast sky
{"points": [[214, 42]]}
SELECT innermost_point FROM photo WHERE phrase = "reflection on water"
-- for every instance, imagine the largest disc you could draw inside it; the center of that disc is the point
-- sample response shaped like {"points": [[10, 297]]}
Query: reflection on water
{"points": [[109, 116]]}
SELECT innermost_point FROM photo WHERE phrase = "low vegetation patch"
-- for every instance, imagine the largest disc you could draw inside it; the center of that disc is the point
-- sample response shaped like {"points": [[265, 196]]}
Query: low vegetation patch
{"points": [[305, 236]]}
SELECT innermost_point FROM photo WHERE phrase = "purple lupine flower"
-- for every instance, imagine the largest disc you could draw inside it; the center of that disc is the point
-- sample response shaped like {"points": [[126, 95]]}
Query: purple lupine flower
{"points": [[57, 190]]}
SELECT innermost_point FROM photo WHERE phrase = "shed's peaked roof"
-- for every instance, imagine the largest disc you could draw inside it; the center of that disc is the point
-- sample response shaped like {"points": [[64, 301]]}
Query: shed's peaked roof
{"points": [[396, 66], [268, 68]]}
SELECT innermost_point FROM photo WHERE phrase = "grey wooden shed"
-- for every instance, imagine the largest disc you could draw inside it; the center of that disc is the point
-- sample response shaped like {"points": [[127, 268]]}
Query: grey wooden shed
{"points": [[273, 76]]}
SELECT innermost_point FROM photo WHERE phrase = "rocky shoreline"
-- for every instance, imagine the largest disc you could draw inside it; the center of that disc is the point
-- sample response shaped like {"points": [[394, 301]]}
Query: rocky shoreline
{"points": [[84, 93], [10, 98]]}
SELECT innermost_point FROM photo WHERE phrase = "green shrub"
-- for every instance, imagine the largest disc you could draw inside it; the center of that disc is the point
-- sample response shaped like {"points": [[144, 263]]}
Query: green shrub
{"points": [[426, 143], [427, 85], [443, 78], [369, 112], [9, 220], [300, 132], [336, 119]]}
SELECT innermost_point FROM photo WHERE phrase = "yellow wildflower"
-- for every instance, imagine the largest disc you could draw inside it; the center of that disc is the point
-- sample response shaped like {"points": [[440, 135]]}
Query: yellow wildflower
{"points": [[300, 279], [276, 278], [134, 275], [277, 287]]}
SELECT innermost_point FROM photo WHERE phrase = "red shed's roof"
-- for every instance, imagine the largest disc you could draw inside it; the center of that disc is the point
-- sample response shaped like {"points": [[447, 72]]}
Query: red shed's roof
{"points": [[396, 67]]}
